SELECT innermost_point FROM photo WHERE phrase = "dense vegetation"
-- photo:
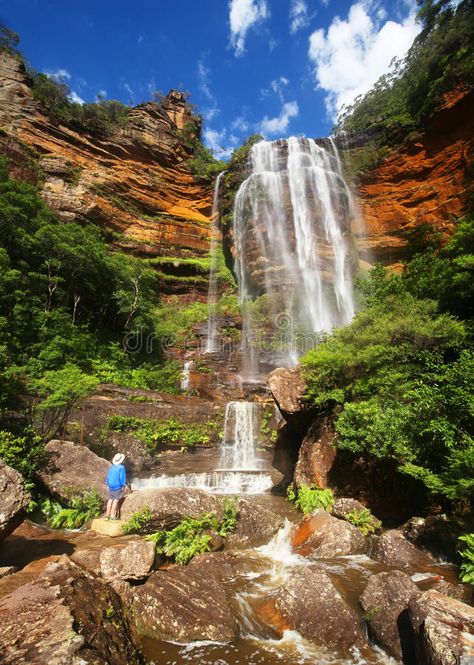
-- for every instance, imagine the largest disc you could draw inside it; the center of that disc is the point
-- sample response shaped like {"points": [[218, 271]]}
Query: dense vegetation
{"points": [[439, 63], [400, 373]]}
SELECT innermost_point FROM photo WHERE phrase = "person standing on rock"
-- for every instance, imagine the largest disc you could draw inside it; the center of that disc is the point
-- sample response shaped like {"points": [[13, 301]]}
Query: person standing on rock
{"points": [[116, 482]]}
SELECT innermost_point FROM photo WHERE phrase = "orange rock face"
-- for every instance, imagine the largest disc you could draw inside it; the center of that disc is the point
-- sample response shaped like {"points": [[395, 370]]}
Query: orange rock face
{"points": [[134, 182], [423, 181]]}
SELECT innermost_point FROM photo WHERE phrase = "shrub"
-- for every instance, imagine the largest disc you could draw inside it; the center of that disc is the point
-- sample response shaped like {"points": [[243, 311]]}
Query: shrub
{"points": [[467, 554], [139, 522], [309, 498], [81, 508], [24, 453]]}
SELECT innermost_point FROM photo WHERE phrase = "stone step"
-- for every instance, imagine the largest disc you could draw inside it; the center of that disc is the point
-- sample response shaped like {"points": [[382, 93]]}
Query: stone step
{"points": [[112, 528]]}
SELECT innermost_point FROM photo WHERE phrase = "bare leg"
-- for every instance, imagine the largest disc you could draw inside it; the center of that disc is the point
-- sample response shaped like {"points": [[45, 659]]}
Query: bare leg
{"points": [[109, 508], [114, 507]]}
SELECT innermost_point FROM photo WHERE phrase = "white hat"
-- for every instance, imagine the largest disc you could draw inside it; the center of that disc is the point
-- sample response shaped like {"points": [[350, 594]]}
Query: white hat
{"points": [[118, 458]]}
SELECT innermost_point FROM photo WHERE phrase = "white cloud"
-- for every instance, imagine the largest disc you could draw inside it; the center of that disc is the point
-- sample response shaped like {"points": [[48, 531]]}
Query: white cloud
{"points": [[240, 124], [205, 87], [102, 94], [355, 52], [127, 87], [299, 17], [215, 141], [58, 75], [74, 97], [279, 125], [242, 16], [277, 86]]}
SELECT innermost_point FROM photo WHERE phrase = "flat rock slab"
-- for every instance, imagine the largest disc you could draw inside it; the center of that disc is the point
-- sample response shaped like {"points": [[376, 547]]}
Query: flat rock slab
{"points": [[132, 562], [112, 528]]}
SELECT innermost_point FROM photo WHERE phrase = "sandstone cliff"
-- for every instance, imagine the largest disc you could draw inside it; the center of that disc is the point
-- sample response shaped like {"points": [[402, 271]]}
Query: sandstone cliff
{"points": [[428, 179], [134, 183]]}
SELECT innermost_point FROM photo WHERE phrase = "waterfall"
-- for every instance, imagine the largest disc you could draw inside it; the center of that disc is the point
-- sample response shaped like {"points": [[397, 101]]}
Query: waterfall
{"points": [[292, 220], [185, 375], [211, 346], [240, 437]]}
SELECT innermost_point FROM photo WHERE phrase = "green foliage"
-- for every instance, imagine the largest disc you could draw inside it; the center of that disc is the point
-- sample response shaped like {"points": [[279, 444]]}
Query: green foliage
{"points": [[24, 453], [363, 520], [466, 551], [81, 509], [192, 536], [9, 40], [139, 522], [165, 432], [309, 498], [202, 162], [174, 323]]}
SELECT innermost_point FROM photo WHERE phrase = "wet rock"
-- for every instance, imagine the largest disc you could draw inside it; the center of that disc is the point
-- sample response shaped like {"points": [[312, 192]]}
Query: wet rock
{"points": [[385, 602], [72, 468], [310, 603], [443, 628], [317, 455], [13, 499], [7, 570], [437, 533], [288, 390], [65, 616], [171, 504], [462, 592], [222, 565], [321, 536], [255, 526], [182, 604], [343, 506], [132, 562], [393, 549]]}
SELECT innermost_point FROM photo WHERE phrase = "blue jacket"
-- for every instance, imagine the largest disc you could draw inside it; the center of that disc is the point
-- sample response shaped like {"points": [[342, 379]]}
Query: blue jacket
{"points": [[116, 478]]}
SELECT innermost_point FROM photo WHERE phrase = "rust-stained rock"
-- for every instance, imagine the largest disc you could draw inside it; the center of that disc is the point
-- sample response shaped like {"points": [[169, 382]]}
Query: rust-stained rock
{"points": [[321, 536], [71, 469], [310, 603], [385, 602], [444, 629], [132, 562], [393, 549], [65, 617], [182, 605], [13, 499], [317, 455]]}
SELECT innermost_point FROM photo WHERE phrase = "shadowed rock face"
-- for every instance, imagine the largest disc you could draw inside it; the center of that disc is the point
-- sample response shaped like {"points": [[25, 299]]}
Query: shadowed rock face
{"points": [[444, 629], [71, 469], [385, 602], [311, 604], [13, 499], [182, 605], [135, 181], [68, 617], [393, 549]]}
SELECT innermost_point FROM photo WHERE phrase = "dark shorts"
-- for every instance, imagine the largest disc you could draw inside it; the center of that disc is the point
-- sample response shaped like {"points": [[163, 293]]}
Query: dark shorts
{"points": [[115, 494]]}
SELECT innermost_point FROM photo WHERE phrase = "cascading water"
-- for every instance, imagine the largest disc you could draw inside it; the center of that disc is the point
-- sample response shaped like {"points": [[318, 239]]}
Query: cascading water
{"points": [[211, 341], [240, 470], [292, 220]]}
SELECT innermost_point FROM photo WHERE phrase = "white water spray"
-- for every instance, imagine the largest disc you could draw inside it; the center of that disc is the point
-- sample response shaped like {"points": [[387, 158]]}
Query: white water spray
{"points": [[186, 375]]}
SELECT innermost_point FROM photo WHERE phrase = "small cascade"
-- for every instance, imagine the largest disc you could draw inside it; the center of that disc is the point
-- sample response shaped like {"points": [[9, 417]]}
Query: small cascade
{"points": [[185, 375], [212, 296], [292, 219], [239, 471]]}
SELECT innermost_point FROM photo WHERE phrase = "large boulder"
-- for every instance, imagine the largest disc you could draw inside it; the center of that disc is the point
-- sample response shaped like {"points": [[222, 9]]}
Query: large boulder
{"points": [[65, 616], [310, 603], [288, 390], [71, 469], [13, 499], [385, 603], [255, 526], [437, 533], [170, 504], [132, 562], [443, 628], [184, 605], [321, 536], [343, 506], [317, 455], [393, 549]]}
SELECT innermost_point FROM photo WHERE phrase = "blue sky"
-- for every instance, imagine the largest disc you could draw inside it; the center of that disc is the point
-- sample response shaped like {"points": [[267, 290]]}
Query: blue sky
{"points": [[278, 67]]}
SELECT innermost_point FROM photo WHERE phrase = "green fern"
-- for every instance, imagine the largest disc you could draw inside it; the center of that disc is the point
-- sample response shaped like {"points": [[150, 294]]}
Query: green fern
{"points": [[82, 508], [363, 520], [467, 555], [139, 522], [309, 498], [229, 521]]}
